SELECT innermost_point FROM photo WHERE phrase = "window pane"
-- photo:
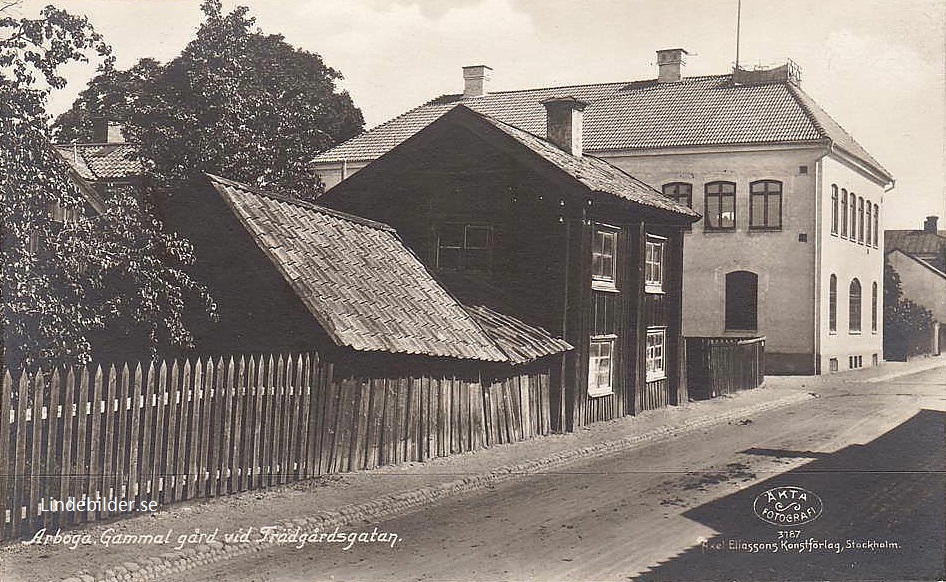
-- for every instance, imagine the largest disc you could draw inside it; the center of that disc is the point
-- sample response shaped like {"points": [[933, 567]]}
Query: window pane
{"points": [[757, 210], [477, 237], [712, 212], [451, 235], [774, 207], [449, 258], [728, 212]]}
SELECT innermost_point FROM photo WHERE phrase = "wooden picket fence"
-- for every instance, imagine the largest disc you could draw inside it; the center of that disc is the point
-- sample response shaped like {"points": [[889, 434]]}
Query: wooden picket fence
{"points": [[179, 430], [724, 365]]}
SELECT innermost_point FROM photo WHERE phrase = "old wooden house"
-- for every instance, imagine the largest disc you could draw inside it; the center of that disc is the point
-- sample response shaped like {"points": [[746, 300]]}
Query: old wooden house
{"points": [[564, 241]]}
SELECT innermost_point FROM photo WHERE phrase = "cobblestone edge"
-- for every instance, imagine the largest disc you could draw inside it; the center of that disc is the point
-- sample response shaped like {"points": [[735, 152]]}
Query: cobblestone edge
{"points": [[154, 568]]}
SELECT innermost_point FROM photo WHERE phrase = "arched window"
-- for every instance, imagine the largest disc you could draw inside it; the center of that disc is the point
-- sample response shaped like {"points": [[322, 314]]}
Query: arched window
{"points": [[873, 307], [853, 217], [854, 309], [843, 212], [765, 205], [860, 220], [742, 301], [834, 209], [680, 192], [876, 225], [833, 304], [720, 203]]}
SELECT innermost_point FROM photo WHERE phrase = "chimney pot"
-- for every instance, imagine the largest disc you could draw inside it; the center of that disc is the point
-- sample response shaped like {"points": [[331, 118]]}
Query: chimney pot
{"points": [[670, 65], [476, 80], [563, 123], [931, 224]]}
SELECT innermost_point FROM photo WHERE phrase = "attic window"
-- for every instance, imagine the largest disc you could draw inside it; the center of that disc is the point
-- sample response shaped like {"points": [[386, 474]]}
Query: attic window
{"points": [[464, 247]]}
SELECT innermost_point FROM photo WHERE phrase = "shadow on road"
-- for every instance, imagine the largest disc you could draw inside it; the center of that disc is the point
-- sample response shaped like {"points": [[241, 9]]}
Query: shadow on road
{"points": [[890, 491]]}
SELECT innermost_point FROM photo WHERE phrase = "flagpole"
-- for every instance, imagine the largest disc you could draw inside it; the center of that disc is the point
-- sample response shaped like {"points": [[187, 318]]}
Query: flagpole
{"points": [[738, 27]]}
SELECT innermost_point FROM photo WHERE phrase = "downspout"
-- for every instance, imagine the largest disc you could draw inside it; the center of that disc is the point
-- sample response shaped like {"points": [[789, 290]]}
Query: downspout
{"points": [[561, 398], [819, 268]]}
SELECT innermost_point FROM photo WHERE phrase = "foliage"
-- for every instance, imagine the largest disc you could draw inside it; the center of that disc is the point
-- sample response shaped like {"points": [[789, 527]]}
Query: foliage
{"points": [[64, 280], [907, 325], [236, 102], [112, 94]]}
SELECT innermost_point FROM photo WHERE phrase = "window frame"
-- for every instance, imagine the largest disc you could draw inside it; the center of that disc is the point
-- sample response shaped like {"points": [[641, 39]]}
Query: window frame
{"points": [[657, 373], [834, 209], [855, 308], [868, 238], [876, 225], [766, 197], [594, 389], [659, 243], [873, 307], [853, 237], [860, 220], [675, 195], [605, 282], [720, 196], [463, 251], [844, 214]]}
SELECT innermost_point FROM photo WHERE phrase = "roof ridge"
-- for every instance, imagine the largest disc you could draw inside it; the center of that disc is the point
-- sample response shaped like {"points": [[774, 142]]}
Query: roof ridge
{"points": [[921, 262], [302, 203]]}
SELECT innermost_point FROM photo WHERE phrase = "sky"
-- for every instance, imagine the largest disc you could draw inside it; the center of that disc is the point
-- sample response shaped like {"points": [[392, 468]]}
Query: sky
{"points": [[877, 66]]}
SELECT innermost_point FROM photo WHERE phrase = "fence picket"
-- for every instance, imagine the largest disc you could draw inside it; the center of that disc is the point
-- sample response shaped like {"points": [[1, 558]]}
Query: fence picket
{"points": [[6, 464]]}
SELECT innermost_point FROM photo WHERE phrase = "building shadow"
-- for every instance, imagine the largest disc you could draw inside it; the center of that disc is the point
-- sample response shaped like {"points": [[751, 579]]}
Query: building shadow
{"points": [[890, 491]]}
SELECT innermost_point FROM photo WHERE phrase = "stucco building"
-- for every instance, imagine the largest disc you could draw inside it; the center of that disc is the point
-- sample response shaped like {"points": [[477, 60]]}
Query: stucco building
{"points": [[793, 206]]}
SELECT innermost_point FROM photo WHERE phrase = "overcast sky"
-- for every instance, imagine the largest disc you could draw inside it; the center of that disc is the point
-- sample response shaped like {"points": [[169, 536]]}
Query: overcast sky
{"points": [[877, 66]]}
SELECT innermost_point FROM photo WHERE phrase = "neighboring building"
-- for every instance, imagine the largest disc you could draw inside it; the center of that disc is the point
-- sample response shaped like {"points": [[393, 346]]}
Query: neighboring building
{"points": [[789, 246], [564, 241], [109, 163], [919, 258]]}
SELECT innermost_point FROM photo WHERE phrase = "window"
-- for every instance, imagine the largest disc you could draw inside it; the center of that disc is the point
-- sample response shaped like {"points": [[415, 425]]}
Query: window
{"points": [[854, 216], [653, 265], [834, 209], [876, 225], [854, 310], [873, 307], [720, 206], [656, 343], [63, 214], [602, 258], [682, 193], [464, 247], [742, 300], [765, 205], [833, 365], [843, 212], [860, 220], [867, 235], [600, 365], [833, 304]]}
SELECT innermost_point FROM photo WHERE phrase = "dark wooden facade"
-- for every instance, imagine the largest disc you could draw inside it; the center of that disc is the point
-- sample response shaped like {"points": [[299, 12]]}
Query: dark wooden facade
{"points": [[542, 223]]}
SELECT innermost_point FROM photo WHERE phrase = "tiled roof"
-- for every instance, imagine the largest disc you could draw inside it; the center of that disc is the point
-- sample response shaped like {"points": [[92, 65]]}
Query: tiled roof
{"points": [[362, 285], [519, 341], [697, 111], [595, 174], [915, 242], [103, 161]]}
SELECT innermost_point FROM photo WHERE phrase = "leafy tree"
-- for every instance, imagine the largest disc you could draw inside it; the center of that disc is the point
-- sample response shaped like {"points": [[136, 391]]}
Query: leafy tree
{"points": [[236, 102], [907, 325], [112, 94], [64, 281]]}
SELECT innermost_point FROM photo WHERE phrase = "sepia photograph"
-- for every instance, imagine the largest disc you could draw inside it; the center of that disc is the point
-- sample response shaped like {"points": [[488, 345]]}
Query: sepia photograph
{"points": [[473, 290]]}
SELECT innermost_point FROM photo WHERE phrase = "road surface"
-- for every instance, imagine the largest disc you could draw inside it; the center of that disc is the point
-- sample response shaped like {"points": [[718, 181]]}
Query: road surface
{"points": [[683, 509]]}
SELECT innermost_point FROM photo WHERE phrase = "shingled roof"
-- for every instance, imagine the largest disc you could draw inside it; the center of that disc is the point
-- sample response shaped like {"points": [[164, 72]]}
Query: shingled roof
{"points": [[366, 289], [103, 161], [642, 115]]}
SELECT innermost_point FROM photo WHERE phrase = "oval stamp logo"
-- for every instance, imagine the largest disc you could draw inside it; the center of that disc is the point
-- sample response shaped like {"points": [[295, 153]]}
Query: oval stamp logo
{"points": [[787, 506]]}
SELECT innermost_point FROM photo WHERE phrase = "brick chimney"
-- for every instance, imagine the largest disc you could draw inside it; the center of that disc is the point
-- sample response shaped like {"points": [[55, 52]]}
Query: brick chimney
{"points": [[105, 130], [930, 225], [563, 123], [475, 80], [670, 65]]}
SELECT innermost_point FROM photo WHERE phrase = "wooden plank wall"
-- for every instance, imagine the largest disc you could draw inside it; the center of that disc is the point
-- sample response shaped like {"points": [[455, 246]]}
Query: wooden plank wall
{"points": [[179, 430], [717, 366]]}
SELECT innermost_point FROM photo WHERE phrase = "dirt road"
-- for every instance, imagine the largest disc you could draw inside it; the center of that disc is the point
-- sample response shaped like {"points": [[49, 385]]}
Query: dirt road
{"points": [[683, 509]]}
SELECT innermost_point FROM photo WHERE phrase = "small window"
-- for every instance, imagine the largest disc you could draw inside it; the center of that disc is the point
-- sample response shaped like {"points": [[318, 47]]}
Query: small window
{"points": [[876, 225], [874, 360], [854, 217], [860, 220], [869, 221], [843, 213], [834, 209], [464, 247], [654, 265], [682, 193], [854, 307], [833, 365], [720, 202], [833, 304], [656, 350], [873, 307], [601, 366], [603, 258], [765, 205]]}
